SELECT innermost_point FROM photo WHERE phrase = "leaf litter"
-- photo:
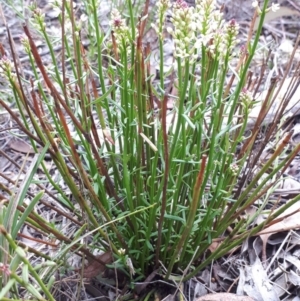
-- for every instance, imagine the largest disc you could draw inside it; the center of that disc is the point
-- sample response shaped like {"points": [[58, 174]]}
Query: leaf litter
{"points": [[269, 267]]}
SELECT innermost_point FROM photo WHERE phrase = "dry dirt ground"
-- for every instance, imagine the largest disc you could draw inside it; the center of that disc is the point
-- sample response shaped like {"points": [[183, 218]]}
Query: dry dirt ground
{"points": [[270, 256]]}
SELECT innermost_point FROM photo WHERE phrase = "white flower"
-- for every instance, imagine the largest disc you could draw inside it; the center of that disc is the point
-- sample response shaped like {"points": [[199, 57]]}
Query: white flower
{"points": [[163, 6], [170, 30], [130, 266], [254, 4], [122, 251], [275, 7]]}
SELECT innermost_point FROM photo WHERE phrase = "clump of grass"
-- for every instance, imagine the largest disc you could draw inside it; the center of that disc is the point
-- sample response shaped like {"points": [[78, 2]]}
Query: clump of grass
{"points": [[154, 191]]}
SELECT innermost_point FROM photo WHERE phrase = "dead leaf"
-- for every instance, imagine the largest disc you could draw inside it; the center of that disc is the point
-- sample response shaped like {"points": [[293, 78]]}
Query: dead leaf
{"points": [[21, 147], [289, 220], [296, 134], [94, 267], [140, 286], [282, 12], [169, 298], [108, 137], [254, 282], [214, 246], [224, 297], [292, 108]]}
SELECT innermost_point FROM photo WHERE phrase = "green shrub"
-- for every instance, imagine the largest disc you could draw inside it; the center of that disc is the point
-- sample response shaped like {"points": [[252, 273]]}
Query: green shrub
{"points": [[156, 188]]}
